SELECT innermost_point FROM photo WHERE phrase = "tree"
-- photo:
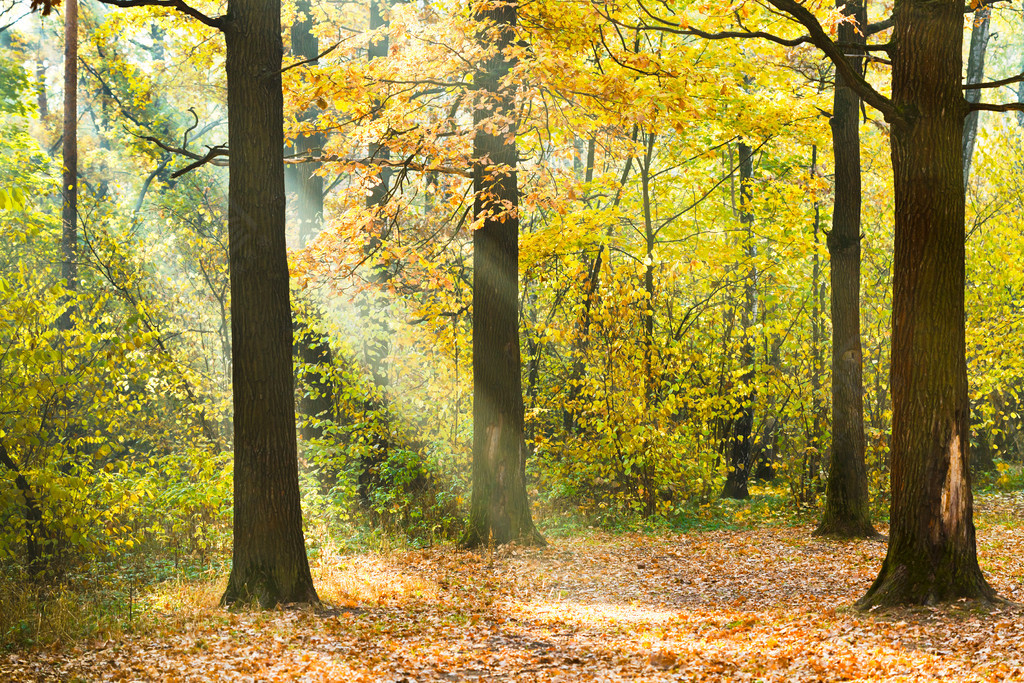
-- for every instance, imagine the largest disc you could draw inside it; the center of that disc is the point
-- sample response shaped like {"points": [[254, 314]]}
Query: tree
{"points": [[739, 459], [847, 510], [975, 74], [269, 563], [377, 332], [932, 553], [499, 509], [269, 558], [312, 348], [69, 179]]}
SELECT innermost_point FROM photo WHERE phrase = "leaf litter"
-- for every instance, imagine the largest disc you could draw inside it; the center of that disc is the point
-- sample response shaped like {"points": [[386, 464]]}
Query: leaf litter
{"points": [[763, 604]]}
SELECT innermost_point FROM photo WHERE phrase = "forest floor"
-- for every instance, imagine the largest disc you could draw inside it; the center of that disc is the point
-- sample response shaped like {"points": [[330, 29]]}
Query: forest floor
{"points": [[768, 604]]}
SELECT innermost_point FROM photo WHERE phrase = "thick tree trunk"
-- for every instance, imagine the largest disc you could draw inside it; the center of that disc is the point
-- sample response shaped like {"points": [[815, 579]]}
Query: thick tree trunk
{"points": [[847, 511], [499, 509], [975, 74], [69, 178], [269, 562], [932, 552], [739, 458]]}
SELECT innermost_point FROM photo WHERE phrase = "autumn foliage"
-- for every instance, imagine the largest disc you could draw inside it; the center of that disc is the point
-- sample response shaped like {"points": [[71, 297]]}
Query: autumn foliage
{"points": [[674, 197]]}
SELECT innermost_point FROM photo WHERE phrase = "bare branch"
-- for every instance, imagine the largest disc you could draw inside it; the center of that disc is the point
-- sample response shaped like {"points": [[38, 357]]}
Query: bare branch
{"points": [[210, 158], [376, 161], [664, 25], [188, 10], [994, 84], [1009, 106], [819, 38], [816, 36], [4, 28], [879, 26], [314, 58]]}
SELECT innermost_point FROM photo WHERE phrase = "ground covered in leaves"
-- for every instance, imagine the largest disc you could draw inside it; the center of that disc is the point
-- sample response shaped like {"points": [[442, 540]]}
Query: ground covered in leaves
{"points": [[767, 604]]}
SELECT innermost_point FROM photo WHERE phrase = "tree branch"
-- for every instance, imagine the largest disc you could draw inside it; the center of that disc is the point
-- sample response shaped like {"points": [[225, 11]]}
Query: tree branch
{"points": [[852, 78], [376, 161], [198, 159], [667, 26], [982, 106], [188, 10], [314, 58], [816, 36], [879, 26], [994, 84], [209, 158]]}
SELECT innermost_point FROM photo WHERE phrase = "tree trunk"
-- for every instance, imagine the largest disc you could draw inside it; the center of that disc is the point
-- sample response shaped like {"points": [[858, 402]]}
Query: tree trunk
{"points": [[69, 178], [847, 511], [932, 553], [975, 74], [581, 342], [269, 562], [373, 303], [739, 456], [41, 100], [309, 184], [35, 532], [499, 509], [312, 349]]}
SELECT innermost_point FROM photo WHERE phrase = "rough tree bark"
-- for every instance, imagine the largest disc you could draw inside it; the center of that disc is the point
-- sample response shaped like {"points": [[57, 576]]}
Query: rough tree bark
{"points": [[847, 512], [739, 455], [932, 553], [269, 562], [499, 508]]}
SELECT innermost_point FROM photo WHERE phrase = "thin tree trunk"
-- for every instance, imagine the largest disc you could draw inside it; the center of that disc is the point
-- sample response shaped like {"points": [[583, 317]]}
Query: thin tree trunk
{"points": [[499, 509], [739, 457], [310, 184], [646, 469], [847, 510], [269, 562], [932, 553], [69, 179], [34, 530], [41, 100], [312, 348], [574, 385], [648, 306], [373, 303], [817, 332], [975, 74]]}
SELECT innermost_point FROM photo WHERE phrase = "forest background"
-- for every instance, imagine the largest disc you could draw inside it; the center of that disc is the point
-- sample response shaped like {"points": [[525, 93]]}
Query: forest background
{"points": [[674, 203]]}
